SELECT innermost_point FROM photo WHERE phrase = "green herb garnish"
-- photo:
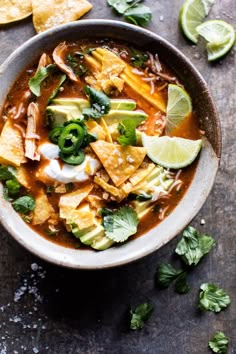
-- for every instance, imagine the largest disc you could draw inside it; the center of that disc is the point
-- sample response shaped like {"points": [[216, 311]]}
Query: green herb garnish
{"points": [[99, 102], [24, 204], [36, 81], [194, 245], [212, 298], [138, 59], [127, 129], [142, 197], [13, 187], [55, 92], [121, 224], [219, 343], [6, 172], [139, 315]]}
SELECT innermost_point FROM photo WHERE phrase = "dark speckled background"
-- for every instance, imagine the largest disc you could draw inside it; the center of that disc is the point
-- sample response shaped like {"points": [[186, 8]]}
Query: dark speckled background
{"points": [[47, 309]]}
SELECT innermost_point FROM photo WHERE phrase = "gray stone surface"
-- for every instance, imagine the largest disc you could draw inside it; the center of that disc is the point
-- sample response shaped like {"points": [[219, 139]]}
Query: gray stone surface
{"points": [[47, 309]]}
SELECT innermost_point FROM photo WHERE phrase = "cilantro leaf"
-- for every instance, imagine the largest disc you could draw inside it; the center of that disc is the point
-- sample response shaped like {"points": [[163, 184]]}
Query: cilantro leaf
{"points": [[181, 285], [165, 274], [127, 129], [121, 224], [99, 102], [212, 298], [219, 343], [119, 5], [6, 172], [138, 59], [36, 81], [140, 15], [13, 186], [139, 315], [55, 92], [132, 10], [194, 245], [24, 204], [142, 197]]}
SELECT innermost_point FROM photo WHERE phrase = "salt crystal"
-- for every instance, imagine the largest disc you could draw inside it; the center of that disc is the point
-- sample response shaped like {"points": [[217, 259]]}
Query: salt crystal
{"points": [[34, 267], [19, 293], [197, 56], [202, 222], [35, 350], [161, 18]]}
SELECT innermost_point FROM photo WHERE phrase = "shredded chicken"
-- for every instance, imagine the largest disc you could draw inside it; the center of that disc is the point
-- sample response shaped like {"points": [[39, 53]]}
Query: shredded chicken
{"points": [[18, 112], [59, 58], [32, 124], [44, 60]]}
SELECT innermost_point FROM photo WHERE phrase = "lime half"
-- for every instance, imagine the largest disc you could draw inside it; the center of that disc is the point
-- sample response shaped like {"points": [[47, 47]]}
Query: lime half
{"points": [[171, 152], [178, 107], [192, 14], [220, 36]]}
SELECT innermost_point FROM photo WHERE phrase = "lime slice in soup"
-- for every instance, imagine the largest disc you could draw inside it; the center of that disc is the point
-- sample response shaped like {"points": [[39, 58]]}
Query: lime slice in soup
{"points": [[171, 152], [220, 36], [178, 107], [192, 14]]}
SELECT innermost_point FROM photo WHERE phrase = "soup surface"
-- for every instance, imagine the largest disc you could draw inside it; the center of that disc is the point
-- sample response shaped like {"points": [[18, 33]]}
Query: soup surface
{"points": [[72, 158]]}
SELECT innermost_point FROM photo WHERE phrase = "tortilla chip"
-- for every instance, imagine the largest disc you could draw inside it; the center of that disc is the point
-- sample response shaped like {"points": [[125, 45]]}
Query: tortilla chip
{"points": [[23, 177], [96, 129], [114, 191], [119, 161], [112, 67], [11, 146], [51, 13], [14, 10], [43, 209], [138, 176], [83, 217], [70, 201]]}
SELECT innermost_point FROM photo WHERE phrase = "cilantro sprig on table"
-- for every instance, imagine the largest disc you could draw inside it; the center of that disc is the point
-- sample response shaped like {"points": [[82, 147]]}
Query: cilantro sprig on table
{"points": [[212, 298], [192, 247], [132, 10], [166, 274], [139, 315], [219, 343]]}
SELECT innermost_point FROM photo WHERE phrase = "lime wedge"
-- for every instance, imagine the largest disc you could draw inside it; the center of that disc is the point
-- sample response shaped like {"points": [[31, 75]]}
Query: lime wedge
{"points": [[192, 14], [178, 107], [171, 152], [220, 36]]}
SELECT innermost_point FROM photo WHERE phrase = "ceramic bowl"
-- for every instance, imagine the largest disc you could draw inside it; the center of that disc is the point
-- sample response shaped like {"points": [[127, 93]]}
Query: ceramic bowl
{"points": [[206, 169]]}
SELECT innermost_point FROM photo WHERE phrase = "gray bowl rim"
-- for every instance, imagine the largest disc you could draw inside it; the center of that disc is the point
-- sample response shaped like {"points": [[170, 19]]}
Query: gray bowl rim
{"points": [[137, 248]]}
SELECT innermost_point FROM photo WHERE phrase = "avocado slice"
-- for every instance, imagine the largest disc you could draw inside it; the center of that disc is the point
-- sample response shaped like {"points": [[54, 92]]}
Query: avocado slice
{"points": [[81, 103], [123, 104], [57, 115], [116, 116], [101, 243], [88, 237], [65, 109]]}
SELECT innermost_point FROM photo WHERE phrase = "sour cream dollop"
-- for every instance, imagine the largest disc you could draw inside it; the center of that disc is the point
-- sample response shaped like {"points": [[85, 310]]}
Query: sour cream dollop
{"points": [[65, 173]]}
